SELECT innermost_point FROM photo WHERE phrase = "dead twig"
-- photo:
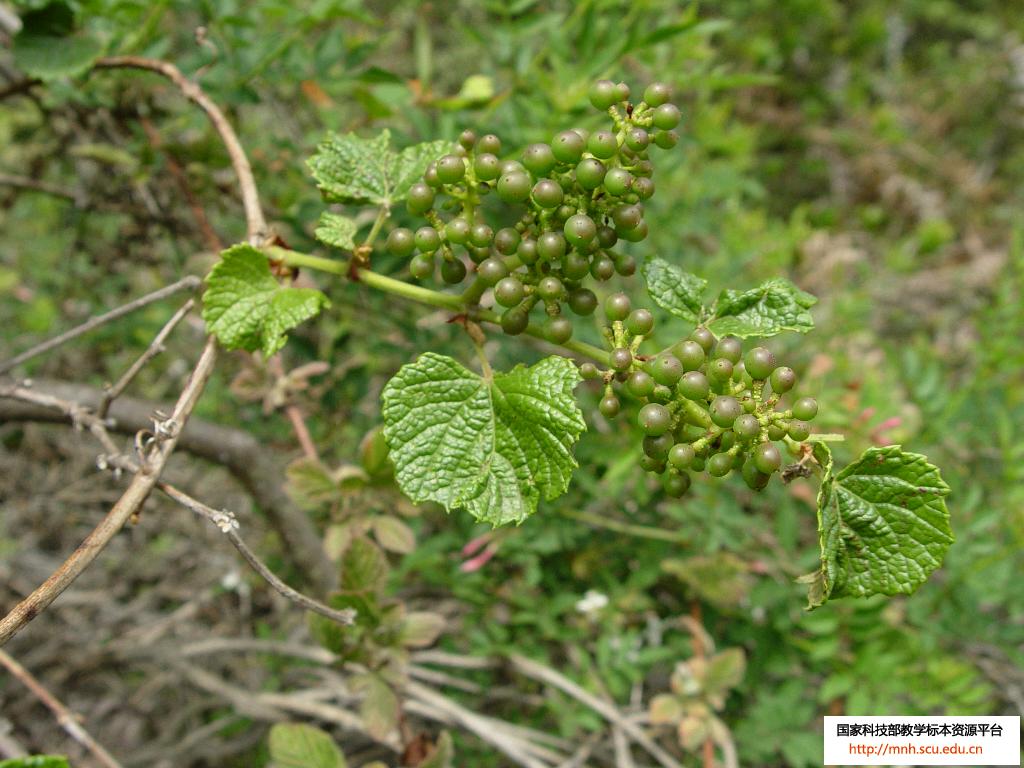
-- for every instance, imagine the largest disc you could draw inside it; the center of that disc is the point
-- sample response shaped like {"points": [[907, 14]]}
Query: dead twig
{"points": [[65, 718], [186, 283]]}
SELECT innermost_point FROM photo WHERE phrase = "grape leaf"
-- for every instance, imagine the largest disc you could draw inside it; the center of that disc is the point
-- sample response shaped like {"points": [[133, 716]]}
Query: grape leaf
{"points": [[883, 525], [674, 290], [773, 307], [48, 47], [493, 446], [337, 230], [296, 745], [350, 169], [246, 308]]}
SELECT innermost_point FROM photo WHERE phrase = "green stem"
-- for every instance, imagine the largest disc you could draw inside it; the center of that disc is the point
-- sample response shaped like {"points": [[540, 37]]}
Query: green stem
{"points": [[382, 216], [579, 347], [639, 531]]}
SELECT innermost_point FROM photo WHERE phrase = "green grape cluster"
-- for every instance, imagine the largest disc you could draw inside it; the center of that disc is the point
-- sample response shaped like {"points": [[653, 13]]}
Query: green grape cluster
{"points": [[568, 203], [707, 404]]}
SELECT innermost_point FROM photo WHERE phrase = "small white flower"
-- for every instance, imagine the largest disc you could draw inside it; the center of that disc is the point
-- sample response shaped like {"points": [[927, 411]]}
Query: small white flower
{"points": [[592, 602], [225, 520]]}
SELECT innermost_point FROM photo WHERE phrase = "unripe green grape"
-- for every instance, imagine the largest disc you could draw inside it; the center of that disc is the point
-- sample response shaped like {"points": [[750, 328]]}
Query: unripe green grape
{"points": [[666, 139], [514, 186], [603, 94], [602, 145], [606, 237], [724, 410], [635, 235], [589, 371], [681, 455], [527, 251], [625, 264], [506, 241], [720, 465], [661, 393], [558, 330], [563, 213], [658, 447], [617, 306], [690, 354], [720, 369], [621, 359], [805, 409], [567, 147], [582, 301], [492, 270], [666, 369], [746, 426], [640, 384], [694, 386], [451, 169], [478, 254], [697, 465], [481, 235], [547, 193], [643, 167], [508, 291], [427, 239], [622, 91], [617, 181], [514, 321], [759, 362], [767, 458], [643, 188], [584, 134], [602, 268], [654, 419], [726, 440], [457, 231], [609, 406], [704, 337], [575, 266], [648, 464], [420, 198], [580, 229], [782, 379], [539, 159], [590, 173], [550, 288], [551, 246], [748, 404], [460, 151], [627, 216], [430, 176], [676, 485], [467, 139], [637, 139], [489, 143], [512, 166], [401, 242], [799, 430], [666, 117], [421, 266], [777, 431], [453, 271], [486, 166], [640, 322], [729, 348], [657, 94], [755, 479]]}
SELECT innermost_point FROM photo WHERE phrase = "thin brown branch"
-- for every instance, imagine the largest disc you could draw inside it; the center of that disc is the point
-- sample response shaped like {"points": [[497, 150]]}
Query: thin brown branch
{"points": [[186, 283], [131, 501], [256, 224], [227, 524], [37, 185], [65, 718], [155, 348], [551, 677], [19, 87]]}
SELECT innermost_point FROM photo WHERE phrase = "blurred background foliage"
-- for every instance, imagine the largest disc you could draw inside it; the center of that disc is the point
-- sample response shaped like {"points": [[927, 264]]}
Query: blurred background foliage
{"points": [[871, 151]]}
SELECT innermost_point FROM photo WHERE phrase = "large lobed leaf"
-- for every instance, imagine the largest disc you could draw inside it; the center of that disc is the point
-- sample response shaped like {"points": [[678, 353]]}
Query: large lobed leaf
{"points": [[351, 169], [246, 308], [674, 290], [883, 525], [493, 446], [773, 307]]}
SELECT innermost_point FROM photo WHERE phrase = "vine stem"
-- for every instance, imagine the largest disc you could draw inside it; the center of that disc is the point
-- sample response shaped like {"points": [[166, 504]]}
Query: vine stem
{"points": [[421, 295]]}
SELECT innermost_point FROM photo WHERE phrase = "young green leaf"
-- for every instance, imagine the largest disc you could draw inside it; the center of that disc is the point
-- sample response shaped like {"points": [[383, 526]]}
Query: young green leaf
{"points": [[674, 290], [48, 46], [296, 745], [336, 230], [246, 308], [494, 446], [350, 169], [882, 522], [773, 307]]}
